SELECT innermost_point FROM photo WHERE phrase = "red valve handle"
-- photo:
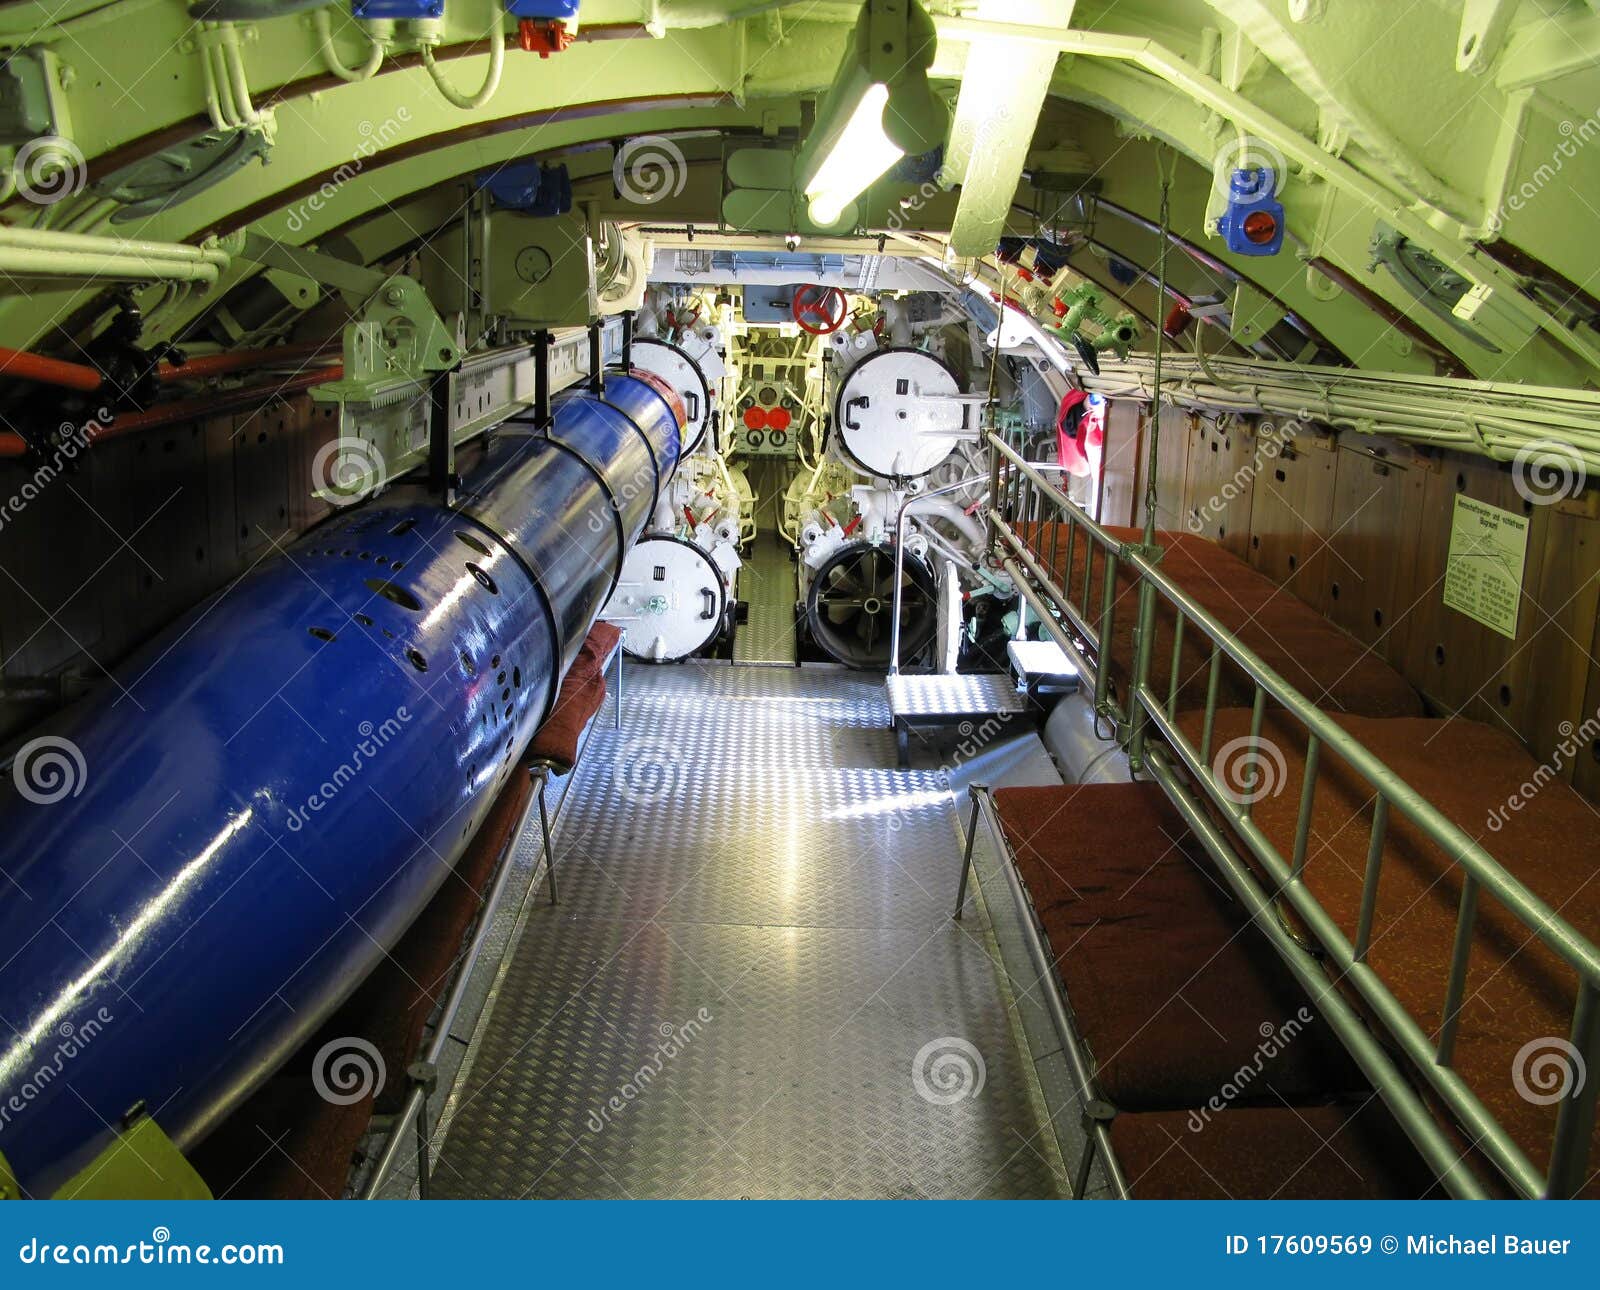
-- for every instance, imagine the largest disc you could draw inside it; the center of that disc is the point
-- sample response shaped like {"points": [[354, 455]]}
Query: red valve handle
{"points": [[826, 304]]}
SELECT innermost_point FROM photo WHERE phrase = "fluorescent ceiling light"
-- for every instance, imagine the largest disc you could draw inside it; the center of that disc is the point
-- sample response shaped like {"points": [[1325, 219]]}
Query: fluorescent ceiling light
{"points": [[879, 109], [857, 159]]}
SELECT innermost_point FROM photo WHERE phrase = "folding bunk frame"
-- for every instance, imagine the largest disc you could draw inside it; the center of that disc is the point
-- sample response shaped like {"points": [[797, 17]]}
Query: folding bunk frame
{"points": [[1260, 876]]}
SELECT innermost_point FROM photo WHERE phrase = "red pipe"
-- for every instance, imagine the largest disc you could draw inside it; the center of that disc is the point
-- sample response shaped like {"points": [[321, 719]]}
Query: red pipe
{"points": [[26, 366], [14, 445], [217, 364], [22, 365]]}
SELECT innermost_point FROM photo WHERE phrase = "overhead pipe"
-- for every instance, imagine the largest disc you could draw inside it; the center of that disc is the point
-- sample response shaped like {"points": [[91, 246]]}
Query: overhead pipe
{"points": [[47, 253], [243, 359], [14, 445], [1502, 421], [23, 365]]}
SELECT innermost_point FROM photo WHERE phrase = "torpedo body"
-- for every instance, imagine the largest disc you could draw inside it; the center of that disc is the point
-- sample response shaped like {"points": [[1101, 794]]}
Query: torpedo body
{"points": [[204, 864]]}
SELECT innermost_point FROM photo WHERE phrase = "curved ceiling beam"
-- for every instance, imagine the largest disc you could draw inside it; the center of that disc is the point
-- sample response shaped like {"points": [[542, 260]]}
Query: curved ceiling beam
{"points": [[1317, 78], [407, 174], [1349, 183]]}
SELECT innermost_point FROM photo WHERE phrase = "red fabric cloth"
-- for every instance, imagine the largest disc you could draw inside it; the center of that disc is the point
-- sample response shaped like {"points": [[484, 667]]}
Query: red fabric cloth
{"points": [[1080, 433], [1354, 1152], [1171, 989]]}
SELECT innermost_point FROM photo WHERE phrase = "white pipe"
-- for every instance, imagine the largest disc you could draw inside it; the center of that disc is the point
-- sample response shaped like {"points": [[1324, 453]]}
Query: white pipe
{"points": [[238, 79], [214, 107], [491, 82], [1501, 420], [40, 240], [121, 268], [943, 508], [378, 46]]}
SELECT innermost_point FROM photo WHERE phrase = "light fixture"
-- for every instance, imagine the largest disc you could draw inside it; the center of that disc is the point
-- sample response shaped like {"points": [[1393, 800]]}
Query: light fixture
{"points": [[879, 109]]}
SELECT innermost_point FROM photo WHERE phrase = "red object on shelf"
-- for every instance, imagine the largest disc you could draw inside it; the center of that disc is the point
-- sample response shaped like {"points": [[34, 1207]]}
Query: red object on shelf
{"points": [[1177, 321], [543, 38]]}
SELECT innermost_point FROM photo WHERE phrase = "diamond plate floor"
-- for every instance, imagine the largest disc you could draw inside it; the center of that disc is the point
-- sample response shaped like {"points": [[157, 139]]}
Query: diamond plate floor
{"points": [[752, 952], [767, 584]]}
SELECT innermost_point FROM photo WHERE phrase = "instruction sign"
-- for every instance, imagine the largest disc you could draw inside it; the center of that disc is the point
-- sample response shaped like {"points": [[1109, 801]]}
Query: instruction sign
{"points": [[1483, 573]]}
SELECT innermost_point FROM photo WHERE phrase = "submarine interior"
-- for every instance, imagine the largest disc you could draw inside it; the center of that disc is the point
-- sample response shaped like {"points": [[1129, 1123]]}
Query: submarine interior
{"points": [[810, 599]]}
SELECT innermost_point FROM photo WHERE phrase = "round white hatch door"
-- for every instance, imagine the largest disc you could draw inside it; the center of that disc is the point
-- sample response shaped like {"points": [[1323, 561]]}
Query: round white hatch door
{"points": [[669, 601], [682, 373], [899, 413]]}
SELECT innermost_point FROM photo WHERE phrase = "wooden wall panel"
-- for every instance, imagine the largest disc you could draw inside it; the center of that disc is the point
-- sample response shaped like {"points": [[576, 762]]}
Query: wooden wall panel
{"points": [[159, 528], [1557, 635], [1459, 664], [1586, 765], [1360, 529], [261, 481], [1289, 514], [1172, 469], [53, 545], [1120, 478], [1376, 513], [104, 555], [1222, 466]]}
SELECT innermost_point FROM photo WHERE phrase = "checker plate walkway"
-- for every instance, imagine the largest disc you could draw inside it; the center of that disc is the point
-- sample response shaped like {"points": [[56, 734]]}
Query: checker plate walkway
{"points": [[754, 945]]}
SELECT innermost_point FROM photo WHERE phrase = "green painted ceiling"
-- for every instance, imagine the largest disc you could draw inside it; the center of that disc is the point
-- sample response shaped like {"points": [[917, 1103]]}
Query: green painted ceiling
{"points": [[1493, 169]]}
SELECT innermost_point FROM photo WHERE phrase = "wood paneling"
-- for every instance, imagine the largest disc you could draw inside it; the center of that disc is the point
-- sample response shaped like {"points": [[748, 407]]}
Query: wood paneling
{"points": [[1222, 466], [97, 558], [1120, 479], [1289, 513], [1460, 665], [1360, 529], [1376, 512], [1172, 468]]}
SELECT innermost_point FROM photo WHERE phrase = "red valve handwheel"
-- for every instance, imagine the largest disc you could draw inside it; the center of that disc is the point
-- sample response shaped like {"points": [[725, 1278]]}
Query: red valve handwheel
{"points": [[827, 306]]}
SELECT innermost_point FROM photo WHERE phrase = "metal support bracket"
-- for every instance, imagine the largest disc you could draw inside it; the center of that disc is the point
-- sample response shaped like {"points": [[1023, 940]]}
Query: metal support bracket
{"points": [[1484, 24], [597, 363]]}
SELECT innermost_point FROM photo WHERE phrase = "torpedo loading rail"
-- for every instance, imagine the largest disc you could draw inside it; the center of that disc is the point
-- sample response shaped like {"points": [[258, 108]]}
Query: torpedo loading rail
{"points": [[1403, 873], [228, 870]]}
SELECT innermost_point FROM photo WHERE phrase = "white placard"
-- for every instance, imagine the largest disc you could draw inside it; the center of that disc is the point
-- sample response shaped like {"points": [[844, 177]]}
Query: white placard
{"points": [[1483, 573]]}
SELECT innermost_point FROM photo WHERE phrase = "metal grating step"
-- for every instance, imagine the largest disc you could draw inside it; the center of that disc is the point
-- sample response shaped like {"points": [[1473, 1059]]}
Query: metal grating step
{"points": [[947, 698]]}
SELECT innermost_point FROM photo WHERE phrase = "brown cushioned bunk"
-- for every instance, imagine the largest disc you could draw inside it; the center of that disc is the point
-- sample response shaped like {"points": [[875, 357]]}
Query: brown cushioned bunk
{"points": [[1337, 1152], [1176, 999], [1328, 666], [1517, 991]]}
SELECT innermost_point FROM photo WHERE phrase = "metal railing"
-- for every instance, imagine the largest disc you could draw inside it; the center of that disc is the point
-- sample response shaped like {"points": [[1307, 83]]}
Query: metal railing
{"points": [[1264, 878]]}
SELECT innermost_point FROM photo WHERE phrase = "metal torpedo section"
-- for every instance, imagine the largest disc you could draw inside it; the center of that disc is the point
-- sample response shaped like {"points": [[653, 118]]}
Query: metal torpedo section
{"points": [[435, 637]]}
